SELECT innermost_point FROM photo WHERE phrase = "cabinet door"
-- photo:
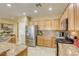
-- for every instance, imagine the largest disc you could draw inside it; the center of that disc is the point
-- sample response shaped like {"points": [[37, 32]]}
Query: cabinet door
{"points": [[41, 25], [53, 40], [50, 42], [64, 16], [40, 40], [47, 25], [71, 19], [77, 16], [33, 23], [47, 42], [61, 23], [55, 25]]}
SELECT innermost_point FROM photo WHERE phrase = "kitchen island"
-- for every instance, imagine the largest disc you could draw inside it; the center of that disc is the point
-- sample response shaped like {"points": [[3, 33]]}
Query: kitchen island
{"points": [[11, 49], [68, 50]]}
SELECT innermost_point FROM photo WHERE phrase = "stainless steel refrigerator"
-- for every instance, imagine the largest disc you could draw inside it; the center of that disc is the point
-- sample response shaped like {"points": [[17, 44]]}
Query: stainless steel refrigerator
{"points": [[31, 35]]}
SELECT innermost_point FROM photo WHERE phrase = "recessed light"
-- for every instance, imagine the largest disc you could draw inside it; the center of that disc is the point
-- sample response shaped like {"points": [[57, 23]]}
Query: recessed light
{"points": [[35, 11], [24, 13], [9, 5], [50, 9]]}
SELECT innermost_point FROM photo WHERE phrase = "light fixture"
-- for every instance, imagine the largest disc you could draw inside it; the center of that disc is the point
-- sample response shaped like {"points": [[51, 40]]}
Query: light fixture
{"points": [[9, 5], [35, 11], [50, 9], [24, 13]]}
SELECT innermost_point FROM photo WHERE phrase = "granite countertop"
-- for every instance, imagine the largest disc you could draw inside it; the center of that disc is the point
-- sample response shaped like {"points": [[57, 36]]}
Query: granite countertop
{"points": [[68, 50], [2, 50], [14, 49]]}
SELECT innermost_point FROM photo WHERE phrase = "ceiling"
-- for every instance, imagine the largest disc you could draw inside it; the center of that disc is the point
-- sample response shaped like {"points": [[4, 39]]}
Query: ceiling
{"points": [[17, 9]]}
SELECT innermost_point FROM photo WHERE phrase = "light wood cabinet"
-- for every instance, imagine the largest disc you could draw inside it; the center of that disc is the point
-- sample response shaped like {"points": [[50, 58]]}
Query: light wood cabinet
{"points": [[55, 25], [76, 16], [71, 19], [33, 23], [64, 16], [71, 13], [40, 40], [47, 25], [44, 25], [46, 42], [41, 25], [53, 45]]}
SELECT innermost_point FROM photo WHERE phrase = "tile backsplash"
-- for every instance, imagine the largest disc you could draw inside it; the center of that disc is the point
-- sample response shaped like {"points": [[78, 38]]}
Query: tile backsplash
{"points": [[48, 33]]}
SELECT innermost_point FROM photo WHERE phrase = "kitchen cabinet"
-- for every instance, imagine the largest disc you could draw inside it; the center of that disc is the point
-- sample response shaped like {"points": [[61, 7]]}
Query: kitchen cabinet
{"points": [[69, 13], [33, 23], [46, 41], [53, 44], [71, 17], [55, 24], [41, 25], [40, 40], [47, 25], [64, 16], [44, 25], [76, 16]]}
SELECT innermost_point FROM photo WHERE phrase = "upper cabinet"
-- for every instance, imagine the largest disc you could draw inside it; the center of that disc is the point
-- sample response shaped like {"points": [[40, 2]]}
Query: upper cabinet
{"points": [[71, 17], [41, 25], [46, 24], [72, 13], [33, 22], [76, 16], [64, 17], [55, 24]]}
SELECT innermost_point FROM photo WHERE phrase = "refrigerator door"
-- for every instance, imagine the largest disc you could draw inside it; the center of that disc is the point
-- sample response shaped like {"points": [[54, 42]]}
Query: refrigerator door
{"points": [[32, 33]]}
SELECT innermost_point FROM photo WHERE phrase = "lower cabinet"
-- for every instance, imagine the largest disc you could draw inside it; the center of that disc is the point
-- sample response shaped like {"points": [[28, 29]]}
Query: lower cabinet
{"points": [[46, 42], [40, 40]]}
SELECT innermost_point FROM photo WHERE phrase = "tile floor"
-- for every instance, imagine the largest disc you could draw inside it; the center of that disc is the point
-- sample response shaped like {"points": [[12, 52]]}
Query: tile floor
{"points": [[41, 51]]}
